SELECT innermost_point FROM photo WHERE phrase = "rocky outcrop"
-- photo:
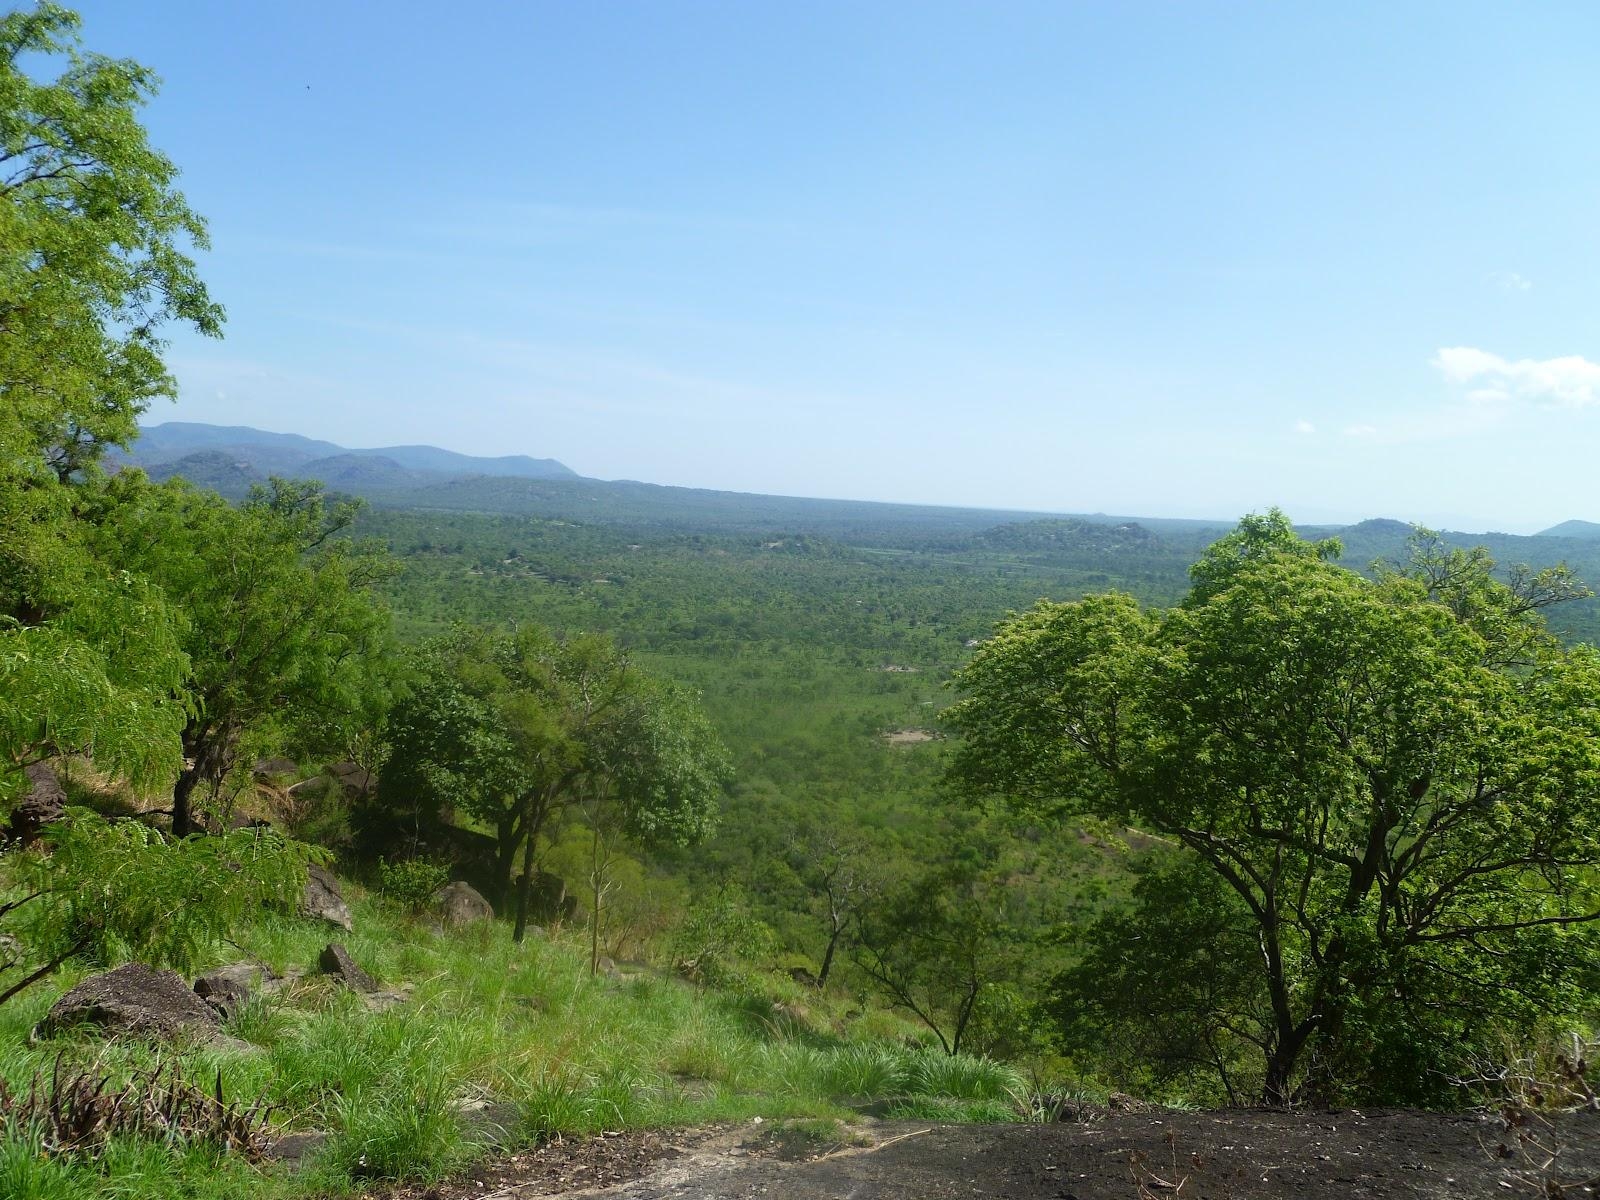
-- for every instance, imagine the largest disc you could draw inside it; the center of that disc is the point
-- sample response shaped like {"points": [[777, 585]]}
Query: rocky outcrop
{"points": [[324, 900], [336, 962], [353, 779], [134, 1000], [458, 904]]}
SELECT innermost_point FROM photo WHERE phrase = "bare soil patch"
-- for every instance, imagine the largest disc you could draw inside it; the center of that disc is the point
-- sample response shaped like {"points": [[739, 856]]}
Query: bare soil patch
{"points": [[908, 737]]}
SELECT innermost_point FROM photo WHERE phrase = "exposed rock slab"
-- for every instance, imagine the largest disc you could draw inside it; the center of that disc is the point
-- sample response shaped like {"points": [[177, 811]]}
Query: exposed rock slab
{"points": [[324, 900], [134, 1000]]}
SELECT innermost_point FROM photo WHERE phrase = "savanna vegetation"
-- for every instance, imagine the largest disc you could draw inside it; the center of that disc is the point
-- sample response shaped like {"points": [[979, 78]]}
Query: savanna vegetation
{"points": [[860, 815]]}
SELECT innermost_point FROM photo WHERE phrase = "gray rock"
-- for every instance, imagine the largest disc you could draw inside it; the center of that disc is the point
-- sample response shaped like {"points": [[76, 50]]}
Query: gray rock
{"points": [[354, 779], [135, 1000], [228, 988], [458, 904], [324, 900], [335, 960]]}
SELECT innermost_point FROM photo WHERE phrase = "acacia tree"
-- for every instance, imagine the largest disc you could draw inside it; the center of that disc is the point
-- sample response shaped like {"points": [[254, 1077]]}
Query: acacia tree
{"points": [[171, 901], [279, 616], [1399, 795], [952, 941], [96, 242]]}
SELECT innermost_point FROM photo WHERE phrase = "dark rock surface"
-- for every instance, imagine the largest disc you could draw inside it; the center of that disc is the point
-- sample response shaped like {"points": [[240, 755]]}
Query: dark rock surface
{"points": [[1230, 1154], [227, 989], [134, 1000], [276, 768], [324, 900], [335, 960]]}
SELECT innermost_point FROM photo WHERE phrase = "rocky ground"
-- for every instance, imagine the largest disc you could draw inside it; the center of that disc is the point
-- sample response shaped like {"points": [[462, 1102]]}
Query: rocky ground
{"points": [[1226, 1155]]}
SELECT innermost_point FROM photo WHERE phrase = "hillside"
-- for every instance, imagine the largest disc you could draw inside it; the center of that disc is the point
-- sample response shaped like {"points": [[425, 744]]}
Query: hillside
{"points": [[263, 453], [1572, 529]]}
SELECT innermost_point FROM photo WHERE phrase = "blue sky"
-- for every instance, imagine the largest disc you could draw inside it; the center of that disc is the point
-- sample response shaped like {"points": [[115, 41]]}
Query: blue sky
{"points": [[1162, 259]]}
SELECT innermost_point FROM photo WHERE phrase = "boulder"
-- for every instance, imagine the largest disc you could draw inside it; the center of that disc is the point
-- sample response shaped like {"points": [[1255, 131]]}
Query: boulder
{"points": [[335, 960], [458, 904], [227, 989], [133, 999], [324, 900], [44, 802]]}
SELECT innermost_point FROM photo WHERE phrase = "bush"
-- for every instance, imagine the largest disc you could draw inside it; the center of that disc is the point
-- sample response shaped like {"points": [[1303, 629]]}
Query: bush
{"points": [[411, 883], [717, 943]]}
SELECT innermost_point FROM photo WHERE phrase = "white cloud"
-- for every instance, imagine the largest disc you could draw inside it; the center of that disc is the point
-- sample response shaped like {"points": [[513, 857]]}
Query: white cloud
{"points": [[1571, 381], [1360, 431], [1510, 281], [1304, 427]]}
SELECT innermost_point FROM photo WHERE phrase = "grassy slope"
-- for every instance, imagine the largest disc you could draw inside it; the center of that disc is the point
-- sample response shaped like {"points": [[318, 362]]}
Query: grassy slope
{"points": [[487, 1020]]}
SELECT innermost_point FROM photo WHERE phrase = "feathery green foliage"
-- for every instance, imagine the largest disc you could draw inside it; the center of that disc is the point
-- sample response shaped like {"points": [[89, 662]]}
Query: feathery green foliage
{"points": [[1400, 796]]}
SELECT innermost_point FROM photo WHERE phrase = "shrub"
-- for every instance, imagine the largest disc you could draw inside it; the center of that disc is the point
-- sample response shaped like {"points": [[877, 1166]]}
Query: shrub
{"points": [[410, 884]]}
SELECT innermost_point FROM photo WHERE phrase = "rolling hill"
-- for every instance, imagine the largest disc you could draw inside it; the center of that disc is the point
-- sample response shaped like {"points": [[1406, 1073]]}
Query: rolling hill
{"points": [[259, 453]]}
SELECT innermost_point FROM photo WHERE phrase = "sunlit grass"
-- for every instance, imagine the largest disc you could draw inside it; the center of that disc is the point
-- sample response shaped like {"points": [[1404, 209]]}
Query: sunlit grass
{"points": [[485, 1020]]}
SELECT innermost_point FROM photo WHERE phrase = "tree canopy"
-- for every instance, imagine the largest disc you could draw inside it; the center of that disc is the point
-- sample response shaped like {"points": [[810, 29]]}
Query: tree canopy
{"points": [[279, 619], [94, 262], [514, 727], [1403, 817]]}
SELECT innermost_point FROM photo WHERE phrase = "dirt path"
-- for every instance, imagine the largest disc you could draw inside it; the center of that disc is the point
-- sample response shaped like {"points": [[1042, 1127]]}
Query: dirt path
{"points": [[1229, 1155]]}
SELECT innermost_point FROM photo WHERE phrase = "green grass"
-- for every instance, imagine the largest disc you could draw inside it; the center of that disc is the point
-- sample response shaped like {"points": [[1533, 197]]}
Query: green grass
{"points": [[485, 1020]]}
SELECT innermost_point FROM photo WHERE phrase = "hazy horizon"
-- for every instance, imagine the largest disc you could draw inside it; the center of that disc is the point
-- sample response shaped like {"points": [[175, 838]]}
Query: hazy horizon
{"points": [[1308, 517], [1180, 261]]}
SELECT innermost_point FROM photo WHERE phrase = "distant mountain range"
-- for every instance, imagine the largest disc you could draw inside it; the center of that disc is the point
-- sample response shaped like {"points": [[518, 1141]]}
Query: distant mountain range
{"points": [[1572, 529], [230, 458]]}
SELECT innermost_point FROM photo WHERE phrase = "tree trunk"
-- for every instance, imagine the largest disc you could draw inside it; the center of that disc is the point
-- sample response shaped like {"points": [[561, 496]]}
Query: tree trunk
{"points": [[827, 957], [182, 791], [505, 857], [532, 822]]}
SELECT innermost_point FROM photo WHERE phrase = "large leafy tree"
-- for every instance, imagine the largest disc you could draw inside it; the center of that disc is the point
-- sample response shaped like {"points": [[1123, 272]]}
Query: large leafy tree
{"points": [[280, 620], [94, 263], [515, 727], [1393, 783]]}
